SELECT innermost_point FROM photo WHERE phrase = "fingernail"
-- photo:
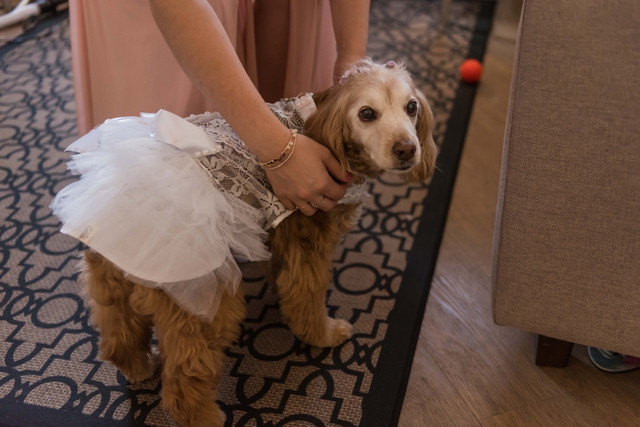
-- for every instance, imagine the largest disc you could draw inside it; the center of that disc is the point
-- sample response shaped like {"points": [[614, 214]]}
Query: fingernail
{"points": [[349, 177]]}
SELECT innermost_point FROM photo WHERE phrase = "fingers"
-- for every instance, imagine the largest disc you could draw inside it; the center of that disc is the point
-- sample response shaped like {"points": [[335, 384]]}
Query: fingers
{"points": [[322, 197], [309, 208], [333, 191], [312, 180], [287, 203], [335, 169], [306, 208], [325, 204]]}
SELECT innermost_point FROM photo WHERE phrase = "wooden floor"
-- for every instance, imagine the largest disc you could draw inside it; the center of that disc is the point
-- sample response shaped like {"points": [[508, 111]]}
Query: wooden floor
{"points": [[467, 370]]}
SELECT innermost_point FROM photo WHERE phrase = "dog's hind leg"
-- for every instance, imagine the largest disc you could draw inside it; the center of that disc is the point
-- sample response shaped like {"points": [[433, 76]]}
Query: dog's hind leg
{"points": [[192, 352], [304, 246], [124, 334]]}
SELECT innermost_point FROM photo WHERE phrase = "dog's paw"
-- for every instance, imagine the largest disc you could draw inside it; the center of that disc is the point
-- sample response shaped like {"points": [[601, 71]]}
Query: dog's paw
{"points": [[339, 331], [332, 333], [221, 419], [145, 370], [211, 417]]}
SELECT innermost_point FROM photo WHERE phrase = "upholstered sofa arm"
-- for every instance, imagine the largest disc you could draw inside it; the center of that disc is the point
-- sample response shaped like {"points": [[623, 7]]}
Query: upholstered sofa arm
{"points": [[566, 261]]}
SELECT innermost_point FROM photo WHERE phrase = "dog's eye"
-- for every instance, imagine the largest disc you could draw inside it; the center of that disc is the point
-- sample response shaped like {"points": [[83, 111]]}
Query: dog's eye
{"points": [[412, 107], [367, 114]]}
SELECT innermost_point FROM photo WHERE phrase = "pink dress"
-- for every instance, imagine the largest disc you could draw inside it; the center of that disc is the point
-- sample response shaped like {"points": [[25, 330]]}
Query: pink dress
{"points": [[122, 65]]}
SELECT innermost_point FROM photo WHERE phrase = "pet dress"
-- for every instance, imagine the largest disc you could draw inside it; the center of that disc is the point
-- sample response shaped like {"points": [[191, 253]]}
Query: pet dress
{"points": [[175, 203]]}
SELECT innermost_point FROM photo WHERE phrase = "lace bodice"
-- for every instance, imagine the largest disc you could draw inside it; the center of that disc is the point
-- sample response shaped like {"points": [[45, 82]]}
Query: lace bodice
{"points": [[237, 172]]}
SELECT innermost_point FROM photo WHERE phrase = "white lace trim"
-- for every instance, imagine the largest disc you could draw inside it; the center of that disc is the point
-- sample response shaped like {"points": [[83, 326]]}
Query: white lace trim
{"points": [[236, 171]]}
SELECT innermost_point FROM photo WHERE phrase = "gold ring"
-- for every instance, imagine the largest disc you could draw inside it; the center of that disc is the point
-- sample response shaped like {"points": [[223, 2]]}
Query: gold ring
{"points": [[319, 204]]}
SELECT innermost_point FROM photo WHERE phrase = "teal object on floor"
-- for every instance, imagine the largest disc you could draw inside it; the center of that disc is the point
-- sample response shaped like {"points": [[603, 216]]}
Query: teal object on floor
{"points": [[610, 361]]}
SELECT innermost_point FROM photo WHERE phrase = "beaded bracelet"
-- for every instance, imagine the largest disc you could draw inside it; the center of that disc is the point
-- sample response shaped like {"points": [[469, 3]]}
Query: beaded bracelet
{"points": [[282, 158]]}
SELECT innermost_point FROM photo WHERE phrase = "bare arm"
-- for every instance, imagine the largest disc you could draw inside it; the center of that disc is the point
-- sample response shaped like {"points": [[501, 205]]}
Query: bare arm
{"points": [[351, 27], [198, 40]]}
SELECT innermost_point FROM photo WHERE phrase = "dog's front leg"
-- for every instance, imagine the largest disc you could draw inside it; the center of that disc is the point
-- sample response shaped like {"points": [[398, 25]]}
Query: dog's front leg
{"points": [[303, 248]]}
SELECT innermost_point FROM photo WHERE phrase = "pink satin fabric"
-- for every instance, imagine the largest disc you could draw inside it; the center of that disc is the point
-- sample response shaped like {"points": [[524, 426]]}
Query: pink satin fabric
{"points": [[122, 65]]}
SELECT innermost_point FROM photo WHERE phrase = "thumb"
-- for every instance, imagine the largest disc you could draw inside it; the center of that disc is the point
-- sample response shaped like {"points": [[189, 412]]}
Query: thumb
{"points": [[335, 169]]}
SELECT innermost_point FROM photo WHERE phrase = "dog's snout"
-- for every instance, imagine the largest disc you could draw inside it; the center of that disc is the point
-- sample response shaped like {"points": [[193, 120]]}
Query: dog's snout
{"points": [[404, 150]]}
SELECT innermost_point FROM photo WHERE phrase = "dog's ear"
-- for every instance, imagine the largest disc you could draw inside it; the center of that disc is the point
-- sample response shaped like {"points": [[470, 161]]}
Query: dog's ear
{"points": [[328, 125], [424, 130], [320, 97]]}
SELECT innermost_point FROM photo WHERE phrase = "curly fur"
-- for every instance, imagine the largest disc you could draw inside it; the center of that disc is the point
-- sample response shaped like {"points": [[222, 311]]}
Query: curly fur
{"points": [[191, 348]]}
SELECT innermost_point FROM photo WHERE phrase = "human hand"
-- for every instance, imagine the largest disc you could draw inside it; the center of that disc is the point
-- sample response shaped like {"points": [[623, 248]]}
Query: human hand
{"points": [[311, 179]]}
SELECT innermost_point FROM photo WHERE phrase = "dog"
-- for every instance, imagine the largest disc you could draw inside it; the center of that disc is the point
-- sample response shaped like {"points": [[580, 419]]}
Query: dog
{"points": [[374, 120]]}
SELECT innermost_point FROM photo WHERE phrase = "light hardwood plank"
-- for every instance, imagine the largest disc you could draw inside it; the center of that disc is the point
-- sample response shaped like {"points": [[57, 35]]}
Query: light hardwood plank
{"points": [[434, 402]]}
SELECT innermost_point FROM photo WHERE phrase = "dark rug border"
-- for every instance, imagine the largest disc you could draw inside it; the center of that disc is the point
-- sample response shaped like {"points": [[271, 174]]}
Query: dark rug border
{"points": [[19, 414], [382, 405]]}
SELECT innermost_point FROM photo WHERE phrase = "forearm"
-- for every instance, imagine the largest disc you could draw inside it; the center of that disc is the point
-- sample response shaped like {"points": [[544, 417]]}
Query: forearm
{"points": [[198, 40], [351, 27]]}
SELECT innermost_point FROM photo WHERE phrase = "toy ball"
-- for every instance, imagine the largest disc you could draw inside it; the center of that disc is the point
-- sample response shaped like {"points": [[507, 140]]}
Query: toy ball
{"points": [[470, 70]]}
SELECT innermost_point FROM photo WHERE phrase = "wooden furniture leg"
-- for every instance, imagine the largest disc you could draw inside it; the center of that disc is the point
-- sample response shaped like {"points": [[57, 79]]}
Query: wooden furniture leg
{"points": [[552, 352]]}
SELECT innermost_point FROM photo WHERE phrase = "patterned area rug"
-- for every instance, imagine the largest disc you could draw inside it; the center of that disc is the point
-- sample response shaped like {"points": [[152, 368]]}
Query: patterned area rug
{"points": [[50, 373]]}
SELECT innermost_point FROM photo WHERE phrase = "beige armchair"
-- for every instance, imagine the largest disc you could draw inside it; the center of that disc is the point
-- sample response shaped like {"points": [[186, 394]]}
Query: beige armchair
{"points": [[566, 262]]}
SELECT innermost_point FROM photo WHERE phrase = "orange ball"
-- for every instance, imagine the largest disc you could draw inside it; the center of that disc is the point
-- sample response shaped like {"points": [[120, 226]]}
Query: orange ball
{"points": [[470, 70]]}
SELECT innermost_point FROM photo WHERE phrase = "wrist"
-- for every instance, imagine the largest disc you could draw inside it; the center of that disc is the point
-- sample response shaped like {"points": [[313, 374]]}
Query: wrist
{"points": [[269, 142], [352, 54], [345, 62], [284, 155]]}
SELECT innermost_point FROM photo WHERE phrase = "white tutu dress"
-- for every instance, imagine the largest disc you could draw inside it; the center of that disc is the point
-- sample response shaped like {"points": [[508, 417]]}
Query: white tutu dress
{"points": [[175, 203]]}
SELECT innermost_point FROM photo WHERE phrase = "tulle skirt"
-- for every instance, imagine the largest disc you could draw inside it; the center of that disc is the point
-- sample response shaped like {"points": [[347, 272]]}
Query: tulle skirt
{"points": [[149, 208]]}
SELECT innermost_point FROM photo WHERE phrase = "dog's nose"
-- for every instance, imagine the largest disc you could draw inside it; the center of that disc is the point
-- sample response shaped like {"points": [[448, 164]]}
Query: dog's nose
{"points": [[404, 150]]}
